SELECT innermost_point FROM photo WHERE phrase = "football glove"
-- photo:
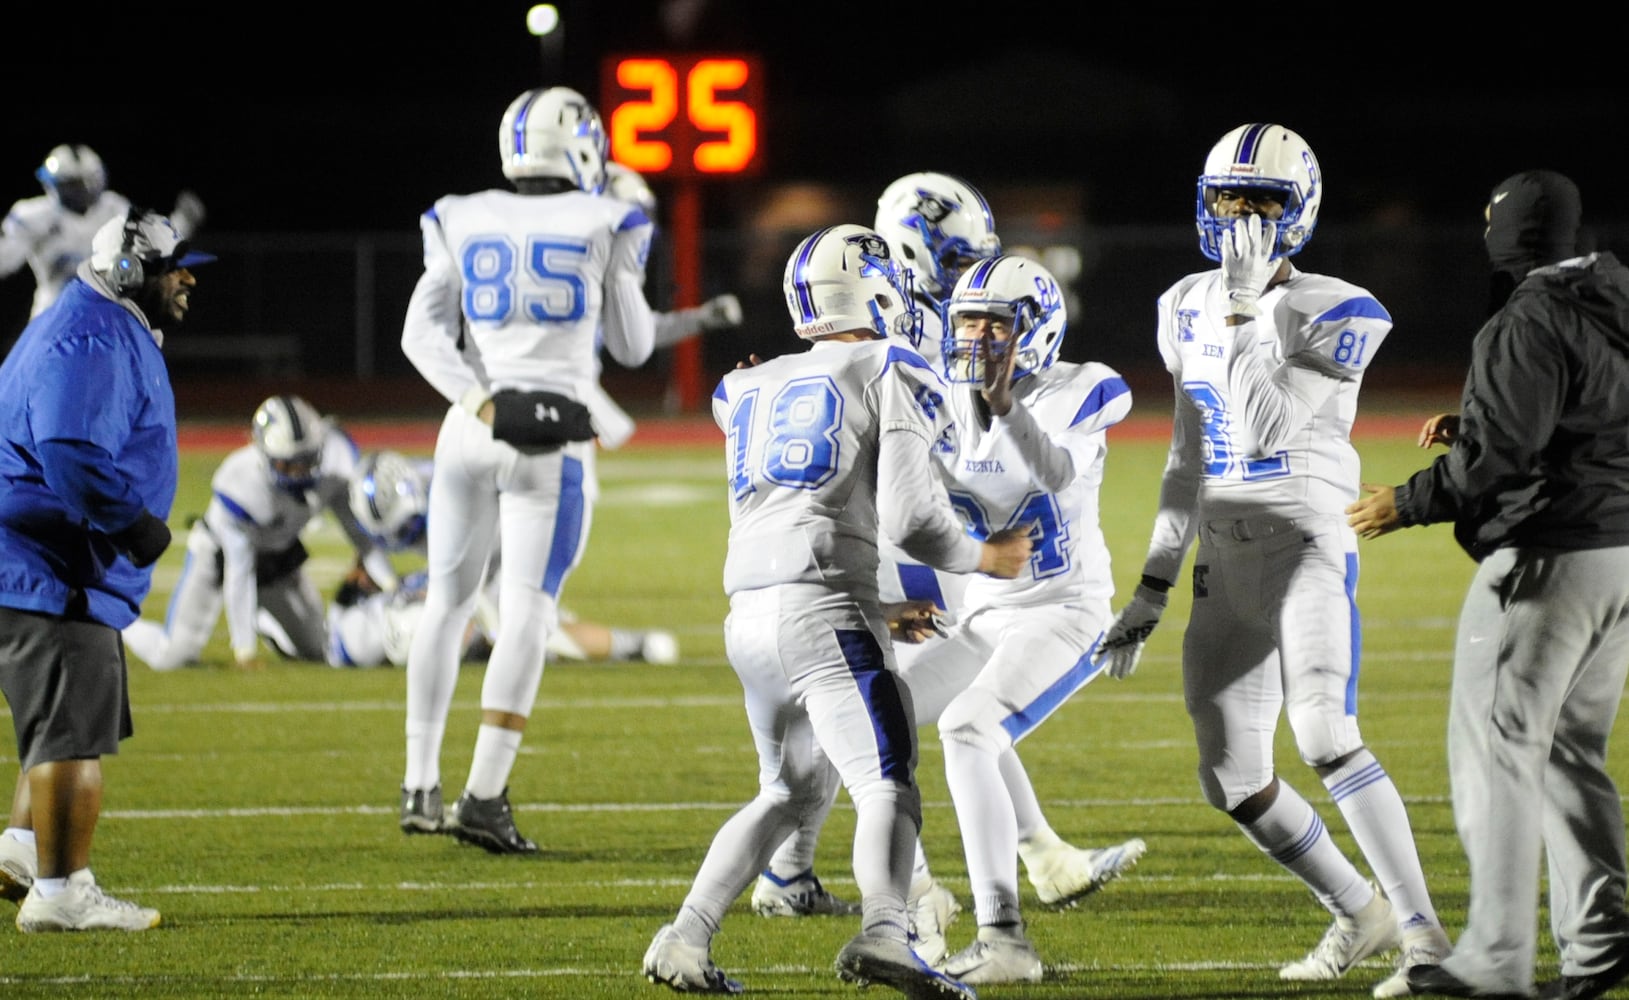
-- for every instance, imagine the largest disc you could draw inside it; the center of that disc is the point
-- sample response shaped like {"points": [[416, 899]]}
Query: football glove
{"points": [[188, 214], [1247, 264], [144, 541], [539, 418], [721, 312], [1122, 647]]}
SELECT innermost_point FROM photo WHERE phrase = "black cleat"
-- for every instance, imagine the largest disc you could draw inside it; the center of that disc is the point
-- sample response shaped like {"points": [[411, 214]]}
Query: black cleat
{"points": [[487, 823], [421, 810]]}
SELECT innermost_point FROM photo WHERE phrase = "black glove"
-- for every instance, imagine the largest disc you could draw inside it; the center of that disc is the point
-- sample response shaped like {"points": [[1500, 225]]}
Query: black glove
{"points": [[143, 542], [539, 418]]}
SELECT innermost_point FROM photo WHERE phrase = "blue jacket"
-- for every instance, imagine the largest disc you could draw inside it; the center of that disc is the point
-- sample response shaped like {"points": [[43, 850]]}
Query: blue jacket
{"points": [[87, 442]]}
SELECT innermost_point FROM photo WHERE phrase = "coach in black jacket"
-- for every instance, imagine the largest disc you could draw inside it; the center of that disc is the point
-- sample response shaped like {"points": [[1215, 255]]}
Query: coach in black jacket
{"points": [[1536, 481]]}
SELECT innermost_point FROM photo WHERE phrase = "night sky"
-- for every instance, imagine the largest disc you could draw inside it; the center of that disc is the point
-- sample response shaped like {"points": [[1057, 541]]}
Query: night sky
{"points": [[300, 117]]}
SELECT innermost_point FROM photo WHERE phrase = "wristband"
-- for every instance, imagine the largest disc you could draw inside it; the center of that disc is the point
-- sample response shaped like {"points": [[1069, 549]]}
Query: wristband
{"points": [[473, 399]]}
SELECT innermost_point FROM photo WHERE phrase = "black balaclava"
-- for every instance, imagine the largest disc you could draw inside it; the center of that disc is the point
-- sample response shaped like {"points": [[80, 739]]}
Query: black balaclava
{"points": [[1532, 221]]}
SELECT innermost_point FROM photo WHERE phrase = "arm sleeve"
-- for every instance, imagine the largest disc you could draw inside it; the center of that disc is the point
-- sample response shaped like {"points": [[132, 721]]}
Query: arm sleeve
{"points": [[1273, 403], [432, 333], [239, 593], [629, 327], [336, 496], [16, 244], [1512, 400], [672, 327], [1174, 525], [1051, 466]]}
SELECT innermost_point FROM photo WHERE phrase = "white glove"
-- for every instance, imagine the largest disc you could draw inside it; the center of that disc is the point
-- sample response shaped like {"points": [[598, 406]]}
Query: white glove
{"points": [[1247, 249], [1123, 645], [188, 214], [721, 312]]}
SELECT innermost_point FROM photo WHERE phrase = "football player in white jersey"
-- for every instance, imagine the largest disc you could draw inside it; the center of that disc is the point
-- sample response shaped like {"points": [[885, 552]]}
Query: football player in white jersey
{"points": [[940, 225], [245, 555], [368, 626], [520, 291], [1028, 452], [822, 447], [1267, 361], [51, 233]]}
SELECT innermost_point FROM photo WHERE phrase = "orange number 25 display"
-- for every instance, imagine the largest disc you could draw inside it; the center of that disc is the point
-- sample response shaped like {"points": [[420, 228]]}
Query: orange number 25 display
{"points": [[683, 116]]}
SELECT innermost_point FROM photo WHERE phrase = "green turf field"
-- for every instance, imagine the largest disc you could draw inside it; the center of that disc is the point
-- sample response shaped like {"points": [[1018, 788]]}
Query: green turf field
{"points": [[258, 811]]}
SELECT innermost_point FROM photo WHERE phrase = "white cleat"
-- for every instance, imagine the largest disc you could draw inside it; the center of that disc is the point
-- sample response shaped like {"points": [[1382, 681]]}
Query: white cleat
{"points": [[660, 647], [1348, 941], [800, 896], [83, 906], [871, 958], [1063, 875], [930, 915], [683, 967], [1428, 947], [18, 865], [995, 956]]}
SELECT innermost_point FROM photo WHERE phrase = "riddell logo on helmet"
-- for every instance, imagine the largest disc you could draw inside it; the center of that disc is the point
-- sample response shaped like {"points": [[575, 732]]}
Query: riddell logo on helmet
{"points": [[1245, 168], [818, 329]]}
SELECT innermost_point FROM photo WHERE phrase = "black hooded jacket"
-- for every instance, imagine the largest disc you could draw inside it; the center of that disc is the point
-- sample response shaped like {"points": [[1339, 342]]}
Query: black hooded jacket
{"points": [[1542, 454]]}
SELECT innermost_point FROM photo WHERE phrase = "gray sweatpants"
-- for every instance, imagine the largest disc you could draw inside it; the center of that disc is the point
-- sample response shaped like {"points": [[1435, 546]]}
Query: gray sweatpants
{"points": [[1539, 665]]}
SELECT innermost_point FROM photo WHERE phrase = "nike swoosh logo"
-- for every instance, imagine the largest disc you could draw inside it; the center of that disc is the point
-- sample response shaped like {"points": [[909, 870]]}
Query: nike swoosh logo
{"points": [[1501, 196]]}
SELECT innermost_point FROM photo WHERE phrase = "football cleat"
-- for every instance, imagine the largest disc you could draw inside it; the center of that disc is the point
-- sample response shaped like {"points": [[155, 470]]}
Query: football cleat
{"points": [[997, 955], [1428, 947], [1063, 875], [421, 810], [82, 906], [18, 865], [871, 958], [684, 967], [659, 646], [930, 914], [799, 896], [488, 823], [1348, 941]]}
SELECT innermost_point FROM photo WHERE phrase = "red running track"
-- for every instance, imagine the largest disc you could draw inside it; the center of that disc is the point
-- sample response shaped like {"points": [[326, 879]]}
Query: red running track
{"points": [[659, 432]]}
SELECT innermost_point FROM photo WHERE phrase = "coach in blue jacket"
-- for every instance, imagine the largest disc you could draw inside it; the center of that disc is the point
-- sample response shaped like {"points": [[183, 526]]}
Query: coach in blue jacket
{"points": [[88, 469]]}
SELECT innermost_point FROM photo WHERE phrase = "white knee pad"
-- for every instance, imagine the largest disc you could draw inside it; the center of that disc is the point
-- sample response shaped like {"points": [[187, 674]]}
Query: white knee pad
{"points": [[974, 718], [1323, 735], [515, 667], [907, 799]]}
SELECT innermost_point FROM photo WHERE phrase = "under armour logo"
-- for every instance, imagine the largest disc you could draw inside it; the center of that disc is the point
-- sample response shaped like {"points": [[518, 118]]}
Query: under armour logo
{"points": [[545, 414]]}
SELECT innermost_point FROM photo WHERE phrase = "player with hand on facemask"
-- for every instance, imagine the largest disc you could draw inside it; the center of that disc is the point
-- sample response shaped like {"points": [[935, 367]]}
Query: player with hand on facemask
{"points": [[1267, 361]]}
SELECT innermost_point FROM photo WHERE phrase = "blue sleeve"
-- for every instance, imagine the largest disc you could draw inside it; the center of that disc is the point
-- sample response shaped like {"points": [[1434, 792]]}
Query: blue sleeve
{"points": [[84, 476]]}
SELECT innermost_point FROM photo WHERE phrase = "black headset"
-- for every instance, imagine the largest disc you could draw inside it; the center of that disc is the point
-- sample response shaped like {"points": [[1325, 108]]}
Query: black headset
{"points": [[128, 271]]}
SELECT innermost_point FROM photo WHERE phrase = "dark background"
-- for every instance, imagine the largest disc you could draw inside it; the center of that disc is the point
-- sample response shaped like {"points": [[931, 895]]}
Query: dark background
{"points": [[346, 116], [307, 125]]}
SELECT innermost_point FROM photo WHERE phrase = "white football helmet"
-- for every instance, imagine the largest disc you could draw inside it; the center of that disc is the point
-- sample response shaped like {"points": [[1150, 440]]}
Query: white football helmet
{"points": [[1261, 156], [1019, 290], [554, 132], [935, 222], [390, 498], [290, 433], [844, 278], [74, 176], [627, 184]]}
